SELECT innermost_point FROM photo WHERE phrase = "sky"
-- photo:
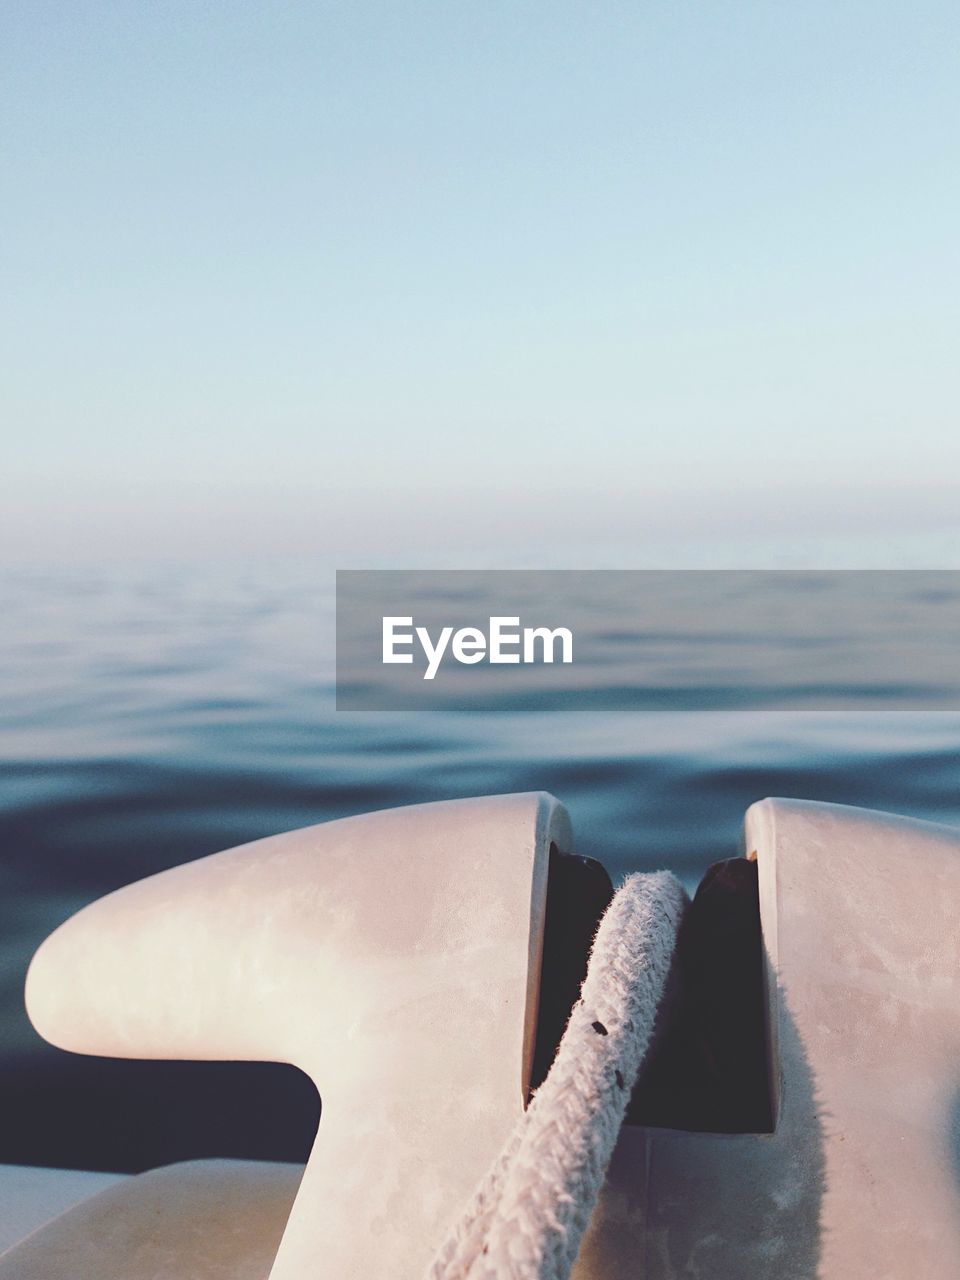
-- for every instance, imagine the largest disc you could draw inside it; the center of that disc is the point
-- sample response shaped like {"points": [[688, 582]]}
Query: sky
{"points": [[371, 277]]}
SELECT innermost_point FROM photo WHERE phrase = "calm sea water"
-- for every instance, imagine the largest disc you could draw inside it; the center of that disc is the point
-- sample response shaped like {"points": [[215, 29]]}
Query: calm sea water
{"points": [[148, 718]]}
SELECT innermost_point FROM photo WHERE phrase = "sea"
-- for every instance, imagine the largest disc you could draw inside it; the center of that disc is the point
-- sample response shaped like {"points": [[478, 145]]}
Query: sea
{"points": [[150, 715]]}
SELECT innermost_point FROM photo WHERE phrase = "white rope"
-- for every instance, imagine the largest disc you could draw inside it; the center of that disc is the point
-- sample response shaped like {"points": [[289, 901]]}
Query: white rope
{"points": [[529, 1214]]}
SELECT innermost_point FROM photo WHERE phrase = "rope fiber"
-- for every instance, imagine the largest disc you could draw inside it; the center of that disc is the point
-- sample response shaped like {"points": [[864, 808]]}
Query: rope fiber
{"points": [[528, 1216]]}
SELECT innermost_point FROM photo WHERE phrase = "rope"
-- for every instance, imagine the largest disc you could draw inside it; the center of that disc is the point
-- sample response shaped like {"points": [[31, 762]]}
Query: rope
{"points": [[528, 1216]]}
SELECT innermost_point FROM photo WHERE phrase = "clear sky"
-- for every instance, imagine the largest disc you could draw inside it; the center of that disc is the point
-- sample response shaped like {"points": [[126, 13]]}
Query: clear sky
{"points": [[276, 274]]}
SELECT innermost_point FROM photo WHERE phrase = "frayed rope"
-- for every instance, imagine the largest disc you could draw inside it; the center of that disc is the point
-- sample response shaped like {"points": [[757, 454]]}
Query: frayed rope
{"points": [[528, 1216]]}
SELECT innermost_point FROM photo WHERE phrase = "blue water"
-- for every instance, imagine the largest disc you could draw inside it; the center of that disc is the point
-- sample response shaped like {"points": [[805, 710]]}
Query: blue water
{"points": [[151, 717]]}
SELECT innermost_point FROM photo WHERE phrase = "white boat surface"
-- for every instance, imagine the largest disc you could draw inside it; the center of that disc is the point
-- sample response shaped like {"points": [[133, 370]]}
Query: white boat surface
{"points": [[397, 958]]}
